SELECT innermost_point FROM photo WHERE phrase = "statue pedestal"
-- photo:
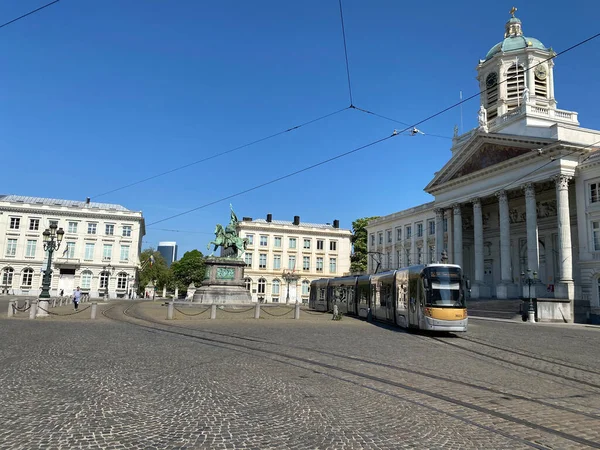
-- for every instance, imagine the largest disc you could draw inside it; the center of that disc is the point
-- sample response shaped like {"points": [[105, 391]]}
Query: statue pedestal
{"points": [[223, 282]]}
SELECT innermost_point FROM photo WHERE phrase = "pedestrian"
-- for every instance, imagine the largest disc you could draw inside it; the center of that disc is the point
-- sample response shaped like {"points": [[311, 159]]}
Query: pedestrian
{"points": [[76, 298], [62, 292]]}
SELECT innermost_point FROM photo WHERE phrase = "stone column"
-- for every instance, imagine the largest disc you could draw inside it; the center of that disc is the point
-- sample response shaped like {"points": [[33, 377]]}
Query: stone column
{"points": [[450, 222], [565, 287], [439, 233], [458, 242], [479, 290], [413, 244], [533, 255], [506, 288]]}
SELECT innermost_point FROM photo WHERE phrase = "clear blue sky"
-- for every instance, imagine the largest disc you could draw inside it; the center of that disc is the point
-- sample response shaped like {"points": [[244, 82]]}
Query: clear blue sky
{"points": [[97, 94]]}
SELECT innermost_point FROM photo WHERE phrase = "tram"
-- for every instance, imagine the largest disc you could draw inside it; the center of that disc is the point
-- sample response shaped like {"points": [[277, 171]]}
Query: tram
{"points": [[425, 297]]}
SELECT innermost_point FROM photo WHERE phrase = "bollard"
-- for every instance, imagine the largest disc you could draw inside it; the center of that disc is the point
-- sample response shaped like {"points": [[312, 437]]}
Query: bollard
{"points": [[213, 311], [170, 311], [94, 306], [297, 311], [257, 311], [54, 302], [11, 309], [33, 309]]}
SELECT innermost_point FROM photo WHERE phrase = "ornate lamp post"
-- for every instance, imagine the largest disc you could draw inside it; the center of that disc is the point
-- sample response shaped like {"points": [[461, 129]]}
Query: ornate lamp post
{"points": [[52, 239], [108, 269], [289, 277], [529, 280]]}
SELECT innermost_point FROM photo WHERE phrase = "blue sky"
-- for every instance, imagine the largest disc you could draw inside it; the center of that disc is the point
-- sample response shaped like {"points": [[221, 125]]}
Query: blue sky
{"points": [[96, 95]]}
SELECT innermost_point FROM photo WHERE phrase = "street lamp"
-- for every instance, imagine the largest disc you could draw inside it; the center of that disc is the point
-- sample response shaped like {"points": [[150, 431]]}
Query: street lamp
{"points": [[108, 269], [52, 239], [289, 277], [529, 280]]}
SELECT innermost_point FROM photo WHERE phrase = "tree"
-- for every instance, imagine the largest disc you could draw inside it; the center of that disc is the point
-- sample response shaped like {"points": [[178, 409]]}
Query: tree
{"points": [[359, 257], [189, 269], [155, 272]]}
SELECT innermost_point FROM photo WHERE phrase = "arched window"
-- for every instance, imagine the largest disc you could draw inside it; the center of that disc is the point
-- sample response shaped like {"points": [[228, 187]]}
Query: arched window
{"points": [[248, 283], [7, 277], [27, 277], [86, 279], [104, 280], [515, 85], [491, 89], [262, 284], [122, 281], [275, 287], [305, 287]]}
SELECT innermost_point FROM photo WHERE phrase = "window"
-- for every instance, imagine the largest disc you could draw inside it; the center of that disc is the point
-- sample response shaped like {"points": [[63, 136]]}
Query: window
{"points": [[124, 253], [419, 255], [380, 238], [122, 281], [596, 235], [109, 229], [7, 276], [431, 254], [292, 243], [419, 230], [107, 251], [275, 287], [389, 236], [262, 261], [248, 283], [127, 230], [27, 278], [594, 192], [306, 263], [320, 244], [408, 233], [262, 284], [70, 250], [291, 262], [34, 224], [53, 222], [264, 241], [86, 279], [407, 256], [275, 299], [431, 225], [445, 224], [305, 287], [389, 259], [491, 83], [92, 228], [15, 223], [372, 240], [248, 258], [333, 246], [277, 242], [276, 262], [104, 280], [399, 258], [30, 249], [332, 265], [89, 251], [250, 238], [398, 234], [306, 243], [11, 247], [515, 85], [319, 264], [72, 227]]}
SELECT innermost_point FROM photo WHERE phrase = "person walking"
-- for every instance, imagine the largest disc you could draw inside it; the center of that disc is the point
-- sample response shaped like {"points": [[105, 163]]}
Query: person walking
{"points": [[76, 298]]}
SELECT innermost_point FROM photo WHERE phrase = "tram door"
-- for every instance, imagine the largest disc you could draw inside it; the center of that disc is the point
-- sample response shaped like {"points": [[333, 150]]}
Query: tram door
{"points": [[413, 301], [389, 302]]}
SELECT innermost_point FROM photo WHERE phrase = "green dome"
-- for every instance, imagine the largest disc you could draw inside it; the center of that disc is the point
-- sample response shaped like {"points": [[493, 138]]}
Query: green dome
{"points": [[513, 43]]}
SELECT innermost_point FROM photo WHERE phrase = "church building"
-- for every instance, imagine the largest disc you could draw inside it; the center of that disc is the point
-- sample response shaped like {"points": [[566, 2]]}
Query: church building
{"points": [[519, 197]]}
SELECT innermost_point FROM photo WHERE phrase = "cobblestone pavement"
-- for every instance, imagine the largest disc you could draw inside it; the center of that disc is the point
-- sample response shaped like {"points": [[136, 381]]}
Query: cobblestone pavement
{"points": [[277, 383]]}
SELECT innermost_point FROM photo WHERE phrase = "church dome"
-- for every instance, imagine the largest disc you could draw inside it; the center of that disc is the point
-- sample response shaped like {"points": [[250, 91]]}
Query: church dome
{"points": [[514, 39]]}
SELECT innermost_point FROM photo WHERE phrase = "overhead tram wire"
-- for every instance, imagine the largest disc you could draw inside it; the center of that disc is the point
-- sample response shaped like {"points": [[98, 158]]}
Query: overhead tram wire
{"points": [[216, 155], [346, 54], [341, 155], [29, 13]]}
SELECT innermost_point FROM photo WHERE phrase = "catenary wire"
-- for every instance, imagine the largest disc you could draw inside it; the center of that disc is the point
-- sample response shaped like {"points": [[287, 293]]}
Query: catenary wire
{"points": [[29, 13], [216, 155], [346, 53]]}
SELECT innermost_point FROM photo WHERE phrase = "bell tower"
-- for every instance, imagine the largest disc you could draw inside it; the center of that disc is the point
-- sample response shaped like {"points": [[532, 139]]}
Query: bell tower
{"points": [[516, 71]]}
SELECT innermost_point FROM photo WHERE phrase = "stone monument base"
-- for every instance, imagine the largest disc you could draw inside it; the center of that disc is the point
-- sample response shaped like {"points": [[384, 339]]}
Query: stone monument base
{"points": [[223, 282]]}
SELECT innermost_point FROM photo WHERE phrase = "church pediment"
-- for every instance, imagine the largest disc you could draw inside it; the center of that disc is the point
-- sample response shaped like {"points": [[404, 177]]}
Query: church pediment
{"points": [[486, 156]]}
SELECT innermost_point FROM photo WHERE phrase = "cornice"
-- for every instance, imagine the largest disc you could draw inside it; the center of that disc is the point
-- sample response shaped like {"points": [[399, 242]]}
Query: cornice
{"points": [[340, 233], [71, 213]]}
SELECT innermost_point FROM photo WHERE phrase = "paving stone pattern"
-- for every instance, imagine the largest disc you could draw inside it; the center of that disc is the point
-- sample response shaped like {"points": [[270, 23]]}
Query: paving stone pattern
{"points": [[278, 383]]}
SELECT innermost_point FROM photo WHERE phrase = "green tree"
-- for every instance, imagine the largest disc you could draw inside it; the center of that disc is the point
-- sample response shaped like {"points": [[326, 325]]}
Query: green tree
{"points": [[155, 272], [189, 269], [359, 257]]}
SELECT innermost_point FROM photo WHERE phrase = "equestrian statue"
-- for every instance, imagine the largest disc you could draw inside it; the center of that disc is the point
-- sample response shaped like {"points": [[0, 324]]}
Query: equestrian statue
{"points": [[227, 238]]}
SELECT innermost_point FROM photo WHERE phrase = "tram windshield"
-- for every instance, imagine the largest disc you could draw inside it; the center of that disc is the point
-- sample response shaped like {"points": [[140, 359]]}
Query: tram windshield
{"points": [[445, 288]]}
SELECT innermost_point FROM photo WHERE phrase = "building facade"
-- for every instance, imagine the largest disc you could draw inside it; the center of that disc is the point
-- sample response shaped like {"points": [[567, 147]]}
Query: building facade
{"points": [[168, 250], [99, 252], [282, 258], [520, 194]]}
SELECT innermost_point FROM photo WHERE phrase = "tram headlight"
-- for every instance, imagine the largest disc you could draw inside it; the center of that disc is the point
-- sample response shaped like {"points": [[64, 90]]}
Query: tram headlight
{"points": [[428, 312]]}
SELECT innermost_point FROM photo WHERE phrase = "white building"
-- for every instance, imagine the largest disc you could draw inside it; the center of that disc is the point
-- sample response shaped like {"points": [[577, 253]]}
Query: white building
{"points": [[282, 253], [99, 252], [521, 191]]}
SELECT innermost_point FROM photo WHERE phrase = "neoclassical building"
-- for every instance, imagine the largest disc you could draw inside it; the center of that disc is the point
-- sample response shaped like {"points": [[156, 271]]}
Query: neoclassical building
{"points": [[520, 194], [283, 257], [99, 252]]}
